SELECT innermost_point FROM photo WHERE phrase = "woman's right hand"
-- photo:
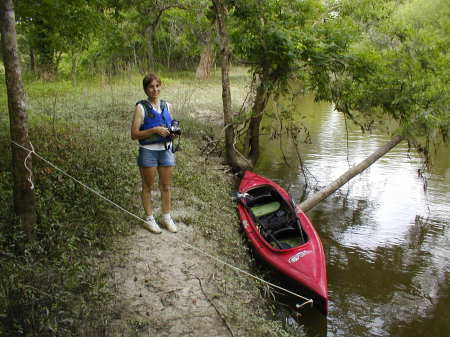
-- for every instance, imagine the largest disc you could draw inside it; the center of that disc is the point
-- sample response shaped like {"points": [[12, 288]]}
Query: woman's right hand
{"points": [[161, 130]]}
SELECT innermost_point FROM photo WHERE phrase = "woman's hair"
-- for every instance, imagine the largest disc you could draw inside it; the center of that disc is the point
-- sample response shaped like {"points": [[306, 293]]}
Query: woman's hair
{"points": [[149, 79]]}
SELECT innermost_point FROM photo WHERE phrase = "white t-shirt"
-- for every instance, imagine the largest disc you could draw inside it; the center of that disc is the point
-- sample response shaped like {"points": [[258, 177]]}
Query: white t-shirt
{"points": [[156, 146]]}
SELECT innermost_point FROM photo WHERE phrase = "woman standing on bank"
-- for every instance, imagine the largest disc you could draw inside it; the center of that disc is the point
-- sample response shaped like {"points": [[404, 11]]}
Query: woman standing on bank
{"points": [[150, 126]]}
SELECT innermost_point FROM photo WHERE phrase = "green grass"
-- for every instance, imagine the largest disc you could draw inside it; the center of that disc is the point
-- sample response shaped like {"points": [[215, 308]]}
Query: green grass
{"points": [[56, 286]]}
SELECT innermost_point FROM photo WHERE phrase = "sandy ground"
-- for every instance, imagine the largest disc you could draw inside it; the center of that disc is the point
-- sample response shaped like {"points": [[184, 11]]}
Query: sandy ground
{"points": [[165, 288]]}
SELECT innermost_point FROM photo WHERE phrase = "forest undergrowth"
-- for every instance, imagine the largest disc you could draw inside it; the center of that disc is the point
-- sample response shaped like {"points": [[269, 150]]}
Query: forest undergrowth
{"points": [[57, 285]]}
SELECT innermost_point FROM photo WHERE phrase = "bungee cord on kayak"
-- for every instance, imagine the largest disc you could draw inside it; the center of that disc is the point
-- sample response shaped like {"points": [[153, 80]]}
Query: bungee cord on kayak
{"points": [[236, 269]]}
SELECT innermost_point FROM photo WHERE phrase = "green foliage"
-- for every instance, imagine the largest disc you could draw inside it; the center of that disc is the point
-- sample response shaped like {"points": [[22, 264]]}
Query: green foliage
{"points": [[272, 36], [53, 27], [111, 35], [118, 43], [52, 285], [179, 41], [398, 67]]}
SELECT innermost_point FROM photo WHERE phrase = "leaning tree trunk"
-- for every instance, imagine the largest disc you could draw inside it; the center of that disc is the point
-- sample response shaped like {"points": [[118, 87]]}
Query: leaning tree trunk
{"points": [[311, 202], [225, 52], [24, 200]]}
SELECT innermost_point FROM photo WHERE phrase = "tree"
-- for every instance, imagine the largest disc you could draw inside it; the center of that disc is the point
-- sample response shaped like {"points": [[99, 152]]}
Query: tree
{"points": [[24, 200], [399, 68], [362, 56], [274, 38], [187, 37], [203, 71], [149, 14], [314, 200], [398, 74], [52, 28], [170, 31], [277, 39], [225, 52], [206, 35]]}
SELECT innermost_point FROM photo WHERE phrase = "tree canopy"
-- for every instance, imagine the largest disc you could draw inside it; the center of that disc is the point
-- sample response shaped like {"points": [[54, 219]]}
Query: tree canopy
{"points": [[397, 69], [376, 60]]}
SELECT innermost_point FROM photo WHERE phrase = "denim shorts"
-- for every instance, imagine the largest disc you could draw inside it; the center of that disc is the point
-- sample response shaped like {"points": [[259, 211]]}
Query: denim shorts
{"points": [[151, 158]]}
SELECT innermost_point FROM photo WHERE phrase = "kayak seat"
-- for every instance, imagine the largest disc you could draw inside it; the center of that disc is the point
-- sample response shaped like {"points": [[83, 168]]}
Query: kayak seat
{"points": [[265, 209]]}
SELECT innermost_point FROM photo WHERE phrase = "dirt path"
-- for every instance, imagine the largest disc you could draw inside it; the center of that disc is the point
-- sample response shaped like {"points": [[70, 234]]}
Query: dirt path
{"points": [[165, 288], [161, 287]]}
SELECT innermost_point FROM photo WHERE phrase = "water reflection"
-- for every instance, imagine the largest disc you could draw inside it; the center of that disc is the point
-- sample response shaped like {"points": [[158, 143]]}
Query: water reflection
{"points": [[386, 240]]}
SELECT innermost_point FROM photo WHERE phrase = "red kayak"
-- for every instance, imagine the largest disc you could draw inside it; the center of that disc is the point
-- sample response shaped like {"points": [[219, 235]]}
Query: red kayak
{"points": [[283, 236]]}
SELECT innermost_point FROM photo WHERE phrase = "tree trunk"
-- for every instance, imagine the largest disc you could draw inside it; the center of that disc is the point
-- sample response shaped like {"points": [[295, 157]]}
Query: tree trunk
{"points": [[74, 65], [24, 200], [311, 202], [252, 137], [149, 32], [225, 53], [45, 68], [32, 61], [206, 61]]}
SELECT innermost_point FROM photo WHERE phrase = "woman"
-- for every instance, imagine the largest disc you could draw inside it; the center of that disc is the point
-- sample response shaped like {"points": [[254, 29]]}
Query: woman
{"points": [[150, 126]]}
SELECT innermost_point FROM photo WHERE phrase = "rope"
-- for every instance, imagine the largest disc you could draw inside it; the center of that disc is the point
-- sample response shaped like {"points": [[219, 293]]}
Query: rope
{"points": [[28, 157], [236, 269], [78, 181]]}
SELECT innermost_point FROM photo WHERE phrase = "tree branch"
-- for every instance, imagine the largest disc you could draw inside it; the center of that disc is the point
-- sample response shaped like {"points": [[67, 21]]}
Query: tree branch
{"points": [[215, 307]]}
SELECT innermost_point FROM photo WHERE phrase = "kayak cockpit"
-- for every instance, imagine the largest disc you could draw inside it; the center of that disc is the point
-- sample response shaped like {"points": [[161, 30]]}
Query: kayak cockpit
{"points": [[275, 218]]}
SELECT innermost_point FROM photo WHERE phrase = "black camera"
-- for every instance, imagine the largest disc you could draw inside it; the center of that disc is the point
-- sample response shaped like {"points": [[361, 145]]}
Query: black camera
{"points": [[175, 129]]}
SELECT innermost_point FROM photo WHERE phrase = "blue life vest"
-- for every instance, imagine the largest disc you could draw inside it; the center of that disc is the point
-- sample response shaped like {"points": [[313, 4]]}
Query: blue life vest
{"points": [[153, 118]]}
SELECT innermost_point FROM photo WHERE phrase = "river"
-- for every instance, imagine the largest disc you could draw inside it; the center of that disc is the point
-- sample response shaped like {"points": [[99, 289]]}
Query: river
{"points": [[385, 235]]}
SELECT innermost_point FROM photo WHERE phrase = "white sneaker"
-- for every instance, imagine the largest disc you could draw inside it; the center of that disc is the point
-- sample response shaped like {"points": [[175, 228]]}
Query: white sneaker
{"points": [[168, 222], [151, 225]]}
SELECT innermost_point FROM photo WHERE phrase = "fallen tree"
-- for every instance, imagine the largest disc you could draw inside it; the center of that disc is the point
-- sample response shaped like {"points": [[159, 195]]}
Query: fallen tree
{"points": [[317, 197]]}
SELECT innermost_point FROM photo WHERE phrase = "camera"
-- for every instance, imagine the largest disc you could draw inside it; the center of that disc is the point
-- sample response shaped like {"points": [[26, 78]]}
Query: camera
{"points": [[175, 129]]}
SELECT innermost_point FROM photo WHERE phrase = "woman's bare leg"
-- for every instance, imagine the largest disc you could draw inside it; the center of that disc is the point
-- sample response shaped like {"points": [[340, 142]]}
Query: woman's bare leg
{"points": [[165, 182], [148, 175]]}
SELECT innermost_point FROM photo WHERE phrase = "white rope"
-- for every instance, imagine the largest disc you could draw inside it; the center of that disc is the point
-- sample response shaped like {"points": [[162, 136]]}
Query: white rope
{"points": [[237, 269], [78, 181], [28, 157]]}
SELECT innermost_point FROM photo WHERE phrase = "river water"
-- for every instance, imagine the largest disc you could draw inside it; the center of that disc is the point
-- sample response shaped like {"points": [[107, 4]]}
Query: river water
{"points": [[385, 236]]}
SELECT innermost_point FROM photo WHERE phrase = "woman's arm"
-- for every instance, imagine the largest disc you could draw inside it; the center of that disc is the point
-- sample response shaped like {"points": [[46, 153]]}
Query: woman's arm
{"points": [[136, 124]]}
